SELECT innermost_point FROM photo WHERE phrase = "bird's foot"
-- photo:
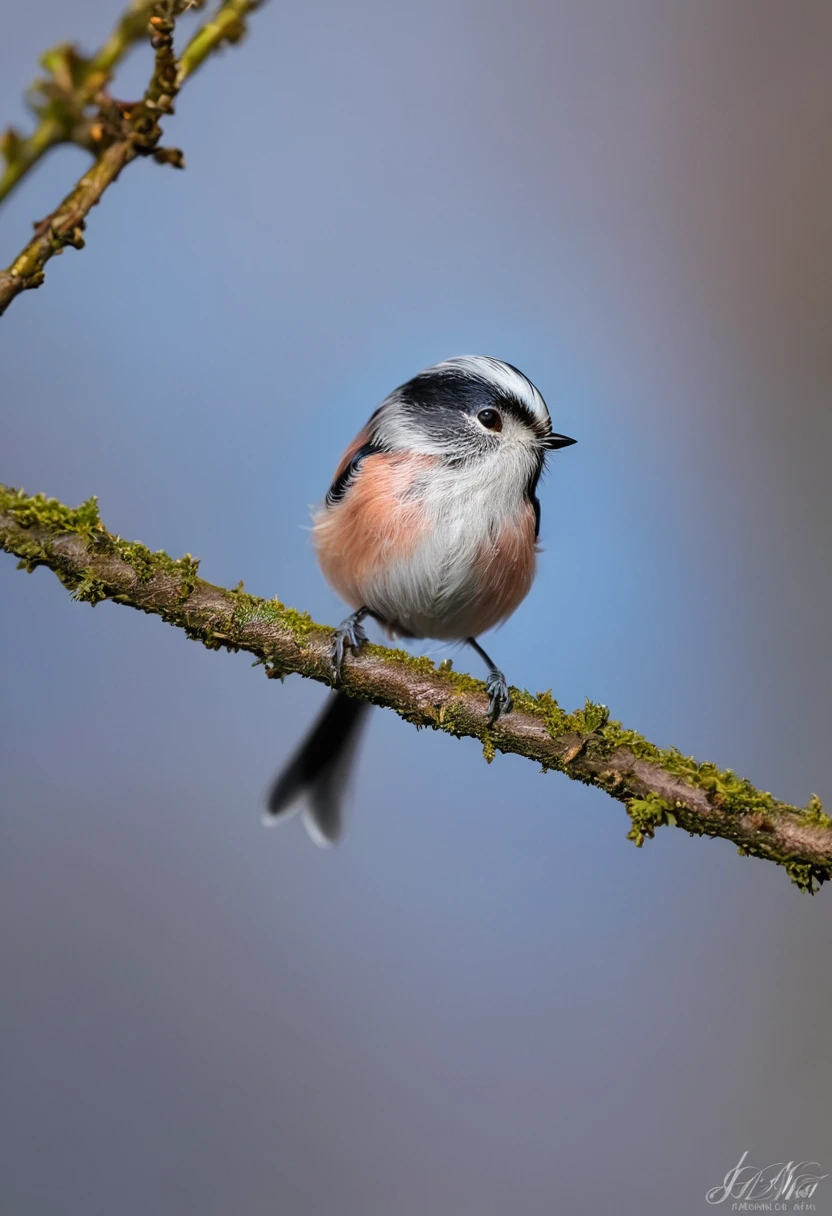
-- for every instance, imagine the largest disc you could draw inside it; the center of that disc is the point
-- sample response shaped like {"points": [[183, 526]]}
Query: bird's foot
{"points": [[499, 700], [349, 633]]}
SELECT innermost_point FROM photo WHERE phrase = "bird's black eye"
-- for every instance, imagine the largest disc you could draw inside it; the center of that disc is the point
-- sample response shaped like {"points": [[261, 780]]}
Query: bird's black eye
{"points": [[491, 420]]}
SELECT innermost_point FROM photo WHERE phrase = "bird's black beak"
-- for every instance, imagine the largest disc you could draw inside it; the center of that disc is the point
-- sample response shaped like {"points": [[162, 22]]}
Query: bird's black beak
{"points": [[553, 442]]}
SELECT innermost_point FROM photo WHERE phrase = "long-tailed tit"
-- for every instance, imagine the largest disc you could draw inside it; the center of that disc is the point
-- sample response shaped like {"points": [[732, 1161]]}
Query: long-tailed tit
{"points": [[430, 526]]}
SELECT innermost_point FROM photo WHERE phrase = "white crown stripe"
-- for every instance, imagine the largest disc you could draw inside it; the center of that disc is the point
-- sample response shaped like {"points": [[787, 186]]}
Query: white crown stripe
{"points": [[506, 378]]}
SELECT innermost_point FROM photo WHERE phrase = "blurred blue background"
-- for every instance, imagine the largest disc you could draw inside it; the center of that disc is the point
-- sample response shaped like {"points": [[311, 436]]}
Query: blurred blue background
{"points": [[486, 1001]]}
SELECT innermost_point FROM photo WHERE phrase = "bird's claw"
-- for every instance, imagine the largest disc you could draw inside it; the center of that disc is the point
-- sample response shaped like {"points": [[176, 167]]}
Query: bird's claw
{"points": [[499, 700], [349, 633]]}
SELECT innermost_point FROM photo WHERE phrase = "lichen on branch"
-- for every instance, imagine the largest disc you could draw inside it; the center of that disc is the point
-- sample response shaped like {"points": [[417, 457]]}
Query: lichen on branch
{"points": [[659, 787]]}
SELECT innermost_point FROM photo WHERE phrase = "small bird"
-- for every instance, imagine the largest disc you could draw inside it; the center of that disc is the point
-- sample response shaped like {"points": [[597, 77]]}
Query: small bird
{"points": [[430, 527]]}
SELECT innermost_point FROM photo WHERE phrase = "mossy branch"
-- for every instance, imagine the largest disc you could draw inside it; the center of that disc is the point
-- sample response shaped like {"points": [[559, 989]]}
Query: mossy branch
{"points": [[73, 106], [657, 786]]}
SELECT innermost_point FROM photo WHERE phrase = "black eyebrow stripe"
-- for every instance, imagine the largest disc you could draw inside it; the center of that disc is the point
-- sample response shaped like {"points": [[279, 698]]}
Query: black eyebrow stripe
{"points": [[522, 413], [341, 484]]}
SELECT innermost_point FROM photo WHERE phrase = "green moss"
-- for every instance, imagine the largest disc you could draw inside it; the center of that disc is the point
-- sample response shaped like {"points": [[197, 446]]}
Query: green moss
{"points": [[542, 706], [725, 790], [137, 556], [615, 736], [211, 639], [419, 663], [300, 623], [591, 720], [448, 717], [806, 877], [594, 716], [274, 666], [815, 814], [89, 589], [249, 609], [647, 814], [38, 511], [31, 555], [464, 684], [147, 564]]}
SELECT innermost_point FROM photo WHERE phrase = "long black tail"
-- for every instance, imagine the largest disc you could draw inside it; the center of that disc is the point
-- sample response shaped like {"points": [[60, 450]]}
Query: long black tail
{"points": [[318, 771]]}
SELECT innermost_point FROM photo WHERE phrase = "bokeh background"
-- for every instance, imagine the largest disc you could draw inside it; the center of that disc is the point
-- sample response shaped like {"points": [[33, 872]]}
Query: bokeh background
{"points": [[485, 1001]]}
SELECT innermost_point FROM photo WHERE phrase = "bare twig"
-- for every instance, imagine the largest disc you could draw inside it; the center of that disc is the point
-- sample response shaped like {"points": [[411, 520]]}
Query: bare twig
{"points": [[62, 97], [120, 132], [657, 786], [228, 25], [65, 225]]}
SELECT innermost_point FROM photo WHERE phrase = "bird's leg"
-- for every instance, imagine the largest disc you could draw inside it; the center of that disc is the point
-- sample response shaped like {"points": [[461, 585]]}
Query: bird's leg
{"points": [[349, 633], [499, 701]]}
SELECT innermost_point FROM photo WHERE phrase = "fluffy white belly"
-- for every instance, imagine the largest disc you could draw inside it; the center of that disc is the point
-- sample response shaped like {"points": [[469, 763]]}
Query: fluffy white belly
{"points": [[468, 571]]}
